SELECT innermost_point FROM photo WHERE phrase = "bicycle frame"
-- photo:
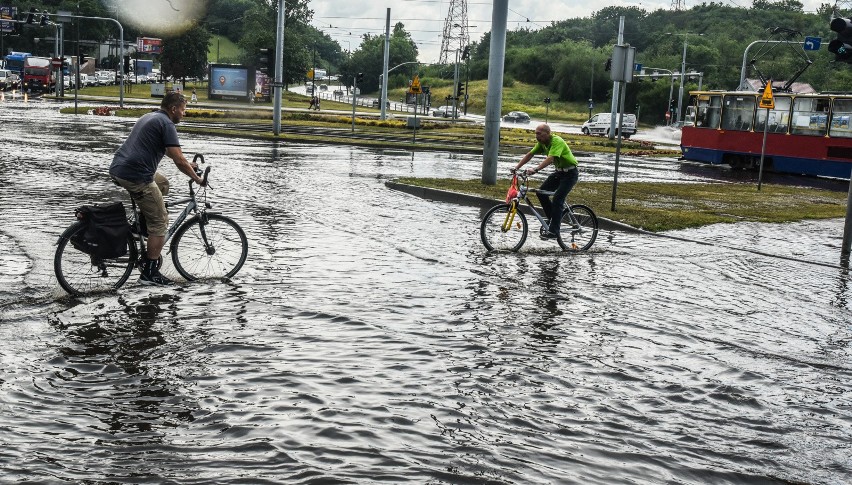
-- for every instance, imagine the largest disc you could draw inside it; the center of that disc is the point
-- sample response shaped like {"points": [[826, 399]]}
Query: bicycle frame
{"points": [[192, 205], [523, 192]]}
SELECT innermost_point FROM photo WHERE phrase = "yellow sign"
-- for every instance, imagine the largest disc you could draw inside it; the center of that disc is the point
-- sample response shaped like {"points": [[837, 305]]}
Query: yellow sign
{"points": [[415, 87], [767, 101]]}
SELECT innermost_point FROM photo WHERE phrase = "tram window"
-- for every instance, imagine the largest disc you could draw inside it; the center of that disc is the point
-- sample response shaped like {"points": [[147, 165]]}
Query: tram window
{"points": [[739, 113], [841, 112], [810, 116], [779, 117], [709, 112]]}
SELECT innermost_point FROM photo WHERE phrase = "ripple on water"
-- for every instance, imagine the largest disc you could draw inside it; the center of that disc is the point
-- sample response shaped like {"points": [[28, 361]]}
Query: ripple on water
{"points": [[370, 338]]}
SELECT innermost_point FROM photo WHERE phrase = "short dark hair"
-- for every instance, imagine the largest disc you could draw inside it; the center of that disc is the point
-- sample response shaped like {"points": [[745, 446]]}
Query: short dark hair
{"points": [[173, 98]]}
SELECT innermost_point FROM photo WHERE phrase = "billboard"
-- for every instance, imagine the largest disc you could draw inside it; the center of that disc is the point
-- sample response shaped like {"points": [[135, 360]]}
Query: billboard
{"points": [[149, 45], [230, 81], [7, 13]]}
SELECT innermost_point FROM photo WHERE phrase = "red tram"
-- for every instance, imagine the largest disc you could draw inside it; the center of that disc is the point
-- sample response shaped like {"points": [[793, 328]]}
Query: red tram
{"points": [[808, 134]]}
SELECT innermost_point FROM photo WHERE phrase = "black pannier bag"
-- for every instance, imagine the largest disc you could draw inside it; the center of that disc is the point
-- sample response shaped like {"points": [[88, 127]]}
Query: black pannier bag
{"points": [[105, 236]]}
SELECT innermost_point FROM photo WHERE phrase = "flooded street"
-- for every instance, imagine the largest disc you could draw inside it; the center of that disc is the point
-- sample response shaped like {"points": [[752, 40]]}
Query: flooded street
{"points": [[370, 337]]}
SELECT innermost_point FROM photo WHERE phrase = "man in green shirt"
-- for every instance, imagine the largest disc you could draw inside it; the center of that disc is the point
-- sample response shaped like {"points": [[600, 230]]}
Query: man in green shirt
{"points": [[560, 182]]}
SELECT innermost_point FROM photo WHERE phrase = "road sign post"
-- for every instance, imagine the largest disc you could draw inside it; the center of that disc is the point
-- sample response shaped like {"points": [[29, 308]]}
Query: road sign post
{"points": [[768, 102]]}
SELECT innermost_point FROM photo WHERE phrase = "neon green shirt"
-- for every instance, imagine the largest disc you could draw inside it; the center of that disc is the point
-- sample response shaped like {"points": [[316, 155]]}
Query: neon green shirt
{"points": [[562, 156]]}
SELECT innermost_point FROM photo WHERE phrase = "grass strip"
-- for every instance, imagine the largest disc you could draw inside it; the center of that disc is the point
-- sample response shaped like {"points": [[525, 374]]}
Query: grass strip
{"points": [[658, 207]]}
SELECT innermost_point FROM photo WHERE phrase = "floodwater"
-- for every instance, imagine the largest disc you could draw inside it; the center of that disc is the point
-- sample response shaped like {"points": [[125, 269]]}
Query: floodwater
{"points": [[370, 338]]}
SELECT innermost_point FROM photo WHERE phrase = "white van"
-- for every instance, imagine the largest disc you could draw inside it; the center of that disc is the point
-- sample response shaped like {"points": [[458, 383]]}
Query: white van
{"points": [[599, 125]]}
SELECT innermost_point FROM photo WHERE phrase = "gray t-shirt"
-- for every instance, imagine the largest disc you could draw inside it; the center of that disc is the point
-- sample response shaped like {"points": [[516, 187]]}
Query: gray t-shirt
{"points": [[138, 157]]}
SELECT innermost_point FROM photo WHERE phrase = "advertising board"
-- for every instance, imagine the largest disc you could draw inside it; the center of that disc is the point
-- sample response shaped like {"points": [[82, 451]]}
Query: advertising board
{"points": [[230, 81], [149, 45]]}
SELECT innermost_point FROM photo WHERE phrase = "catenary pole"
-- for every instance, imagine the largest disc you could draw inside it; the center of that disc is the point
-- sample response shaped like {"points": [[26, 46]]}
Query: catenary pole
{"points": [[278, 81], [384, 100], [494, 98]]}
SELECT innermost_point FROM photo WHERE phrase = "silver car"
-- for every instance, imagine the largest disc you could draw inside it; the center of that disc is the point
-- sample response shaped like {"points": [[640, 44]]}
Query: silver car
{"points": [[443, 112]]}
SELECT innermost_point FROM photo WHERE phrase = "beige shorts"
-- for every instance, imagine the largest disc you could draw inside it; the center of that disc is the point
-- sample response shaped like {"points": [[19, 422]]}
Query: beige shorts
{"points": [[149, 198]]}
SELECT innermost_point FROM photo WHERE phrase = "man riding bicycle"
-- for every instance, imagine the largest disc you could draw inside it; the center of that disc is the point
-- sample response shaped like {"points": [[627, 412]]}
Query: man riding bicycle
{"points": [[560, 182], [134, 167]]}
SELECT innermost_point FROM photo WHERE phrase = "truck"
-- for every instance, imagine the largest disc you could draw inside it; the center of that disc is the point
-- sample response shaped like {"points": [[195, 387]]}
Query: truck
{"points": [[38, 74], [15, 62]]}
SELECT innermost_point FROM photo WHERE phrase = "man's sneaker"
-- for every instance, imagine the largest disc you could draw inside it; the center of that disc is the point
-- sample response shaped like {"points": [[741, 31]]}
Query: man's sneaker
{"points": [[548, 235], [154, 278]]}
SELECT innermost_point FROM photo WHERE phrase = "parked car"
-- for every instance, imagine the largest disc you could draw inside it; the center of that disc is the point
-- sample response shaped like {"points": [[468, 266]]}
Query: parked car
{"points": [[516, 117], [105, 78], [599, 124], [87, 80], [376, 104], [443, 111], [9, 80]]}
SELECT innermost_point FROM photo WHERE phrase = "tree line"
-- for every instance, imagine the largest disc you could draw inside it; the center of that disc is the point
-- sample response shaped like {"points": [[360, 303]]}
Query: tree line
{"points": [[567, 56]]}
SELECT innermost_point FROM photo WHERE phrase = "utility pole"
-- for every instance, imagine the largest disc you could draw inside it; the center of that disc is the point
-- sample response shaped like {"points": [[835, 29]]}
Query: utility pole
{"points": [[278, 81], [384, 97], [494, 98]]}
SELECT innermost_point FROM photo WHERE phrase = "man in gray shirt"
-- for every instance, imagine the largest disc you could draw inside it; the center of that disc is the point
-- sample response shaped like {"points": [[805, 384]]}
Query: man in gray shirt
{"points": [[134, 167]]}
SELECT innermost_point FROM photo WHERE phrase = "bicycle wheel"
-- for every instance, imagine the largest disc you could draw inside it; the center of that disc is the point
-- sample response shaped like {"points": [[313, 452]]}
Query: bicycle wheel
{"points": [[209, 246], [503, 229], [79, 273], [579, 233]]}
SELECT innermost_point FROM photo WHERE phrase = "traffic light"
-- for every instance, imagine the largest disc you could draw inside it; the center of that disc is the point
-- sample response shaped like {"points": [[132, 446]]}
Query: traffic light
{"points": [[841, 47], [608, 64], [263, 61], [126, 64], [31, 15], [460, 90], [359, 78], [465, 53]]}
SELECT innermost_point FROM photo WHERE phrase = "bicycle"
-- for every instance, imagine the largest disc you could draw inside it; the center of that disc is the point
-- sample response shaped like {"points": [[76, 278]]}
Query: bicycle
{"points": [[505, 226], [207, 245]]}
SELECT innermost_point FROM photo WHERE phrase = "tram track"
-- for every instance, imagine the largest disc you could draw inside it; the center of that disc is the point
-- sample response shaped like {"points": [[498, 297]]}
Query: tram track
{"points": [[426, 139]]}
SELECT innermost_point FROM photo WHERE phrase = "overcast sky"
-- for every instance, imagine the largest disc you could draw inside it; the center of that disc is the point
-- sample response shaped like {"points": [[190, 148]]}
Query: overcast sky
{"points": [[346, 21]]}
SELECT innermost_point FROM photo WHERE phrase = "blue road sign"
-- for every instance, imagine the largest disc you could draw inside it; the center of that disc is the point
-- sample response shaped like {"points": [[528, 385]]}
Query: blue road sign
{"points": [[637, 67], [812, 43]]}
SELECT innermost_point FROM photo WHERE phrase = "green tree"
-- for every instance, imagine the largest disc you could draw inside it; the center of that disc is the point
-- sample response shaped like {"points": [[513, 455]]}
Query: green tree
{"points": [[369, 59], [259, 30], [185, 55]]}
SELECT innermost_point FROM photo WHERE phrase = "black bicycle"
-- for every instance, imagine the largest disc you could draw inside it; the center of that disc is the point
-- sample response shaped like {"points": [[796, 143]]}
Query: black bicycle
{"points": [[206, 245], [505, 226]]}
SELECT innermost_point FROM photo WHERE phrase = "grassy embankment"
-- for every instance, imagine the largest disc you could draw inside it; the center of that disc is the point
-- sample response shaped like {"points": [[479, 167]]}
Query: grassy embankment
{"points": [[668, 206]]}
